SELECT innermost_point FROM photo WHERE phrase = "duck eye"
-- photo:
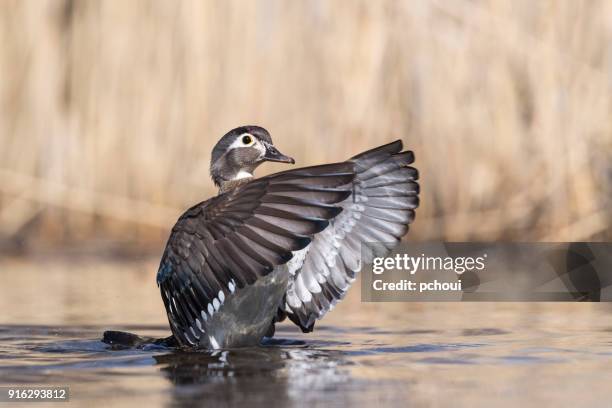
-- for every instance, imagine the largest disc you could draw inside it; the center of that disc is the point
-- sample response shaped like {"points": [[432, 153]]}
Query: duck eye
{"points": [[247, 140]]}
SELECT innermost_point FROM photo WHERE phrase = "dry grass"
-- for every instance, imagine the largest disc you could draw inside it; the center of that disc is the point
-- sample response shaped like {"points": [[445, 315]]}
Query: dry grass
{"points": [[109, 109]]}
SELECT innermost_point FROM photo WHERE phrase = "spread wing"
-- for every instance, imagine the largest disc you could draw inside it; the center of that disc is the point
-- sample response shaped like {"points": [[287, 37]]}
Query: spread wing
{"points": [[231, 240], [381, 205]]}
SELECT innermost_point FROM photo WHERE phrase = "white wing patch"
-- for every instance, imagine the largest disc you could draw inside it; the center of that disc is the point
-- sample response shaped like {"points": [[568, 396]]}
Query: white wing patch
{"points": [[294, 265], [197, 328]]}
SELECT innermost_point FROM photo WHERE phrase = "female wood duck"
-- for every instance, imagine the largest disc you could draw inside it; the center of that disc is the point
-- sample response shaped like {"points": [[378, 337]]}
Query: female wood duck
{"points": [[284, 245]]}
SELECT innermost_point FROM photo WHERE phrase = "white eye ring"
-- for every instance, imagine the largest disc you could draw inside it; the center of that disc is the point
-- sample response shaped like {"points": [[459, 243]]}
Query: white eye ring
{"points": [[247, 139]]}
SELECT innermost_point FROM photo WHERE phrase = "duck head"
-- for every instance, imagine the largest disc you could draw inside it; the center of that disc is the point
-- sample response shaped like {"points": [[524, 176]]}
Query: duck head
{"points": [[236, 156]]}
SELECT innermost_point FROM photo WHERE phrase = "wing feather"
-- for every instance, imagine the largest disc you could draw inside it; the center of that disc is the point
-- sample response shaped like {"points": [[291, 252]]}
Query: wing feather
{"points": [[231, 240], [379, 209]]}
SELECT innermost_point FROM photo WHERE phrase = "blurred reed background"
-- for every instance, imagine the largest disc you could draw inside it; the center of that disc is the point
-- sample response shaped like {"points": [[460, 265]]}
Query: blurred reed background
{"points": [[109, 109]]}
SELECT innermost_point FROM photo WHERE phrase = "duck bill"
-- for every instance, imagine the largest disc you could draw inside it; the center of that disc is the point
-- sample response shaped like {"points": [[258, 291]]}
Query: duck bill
{"points": [[273, 155]]}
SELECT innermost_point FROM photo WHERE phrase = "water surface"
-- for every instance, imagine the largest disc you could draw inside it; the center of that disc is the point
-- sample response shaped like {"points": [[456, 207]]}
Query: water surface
{"points": [[405, 354]]}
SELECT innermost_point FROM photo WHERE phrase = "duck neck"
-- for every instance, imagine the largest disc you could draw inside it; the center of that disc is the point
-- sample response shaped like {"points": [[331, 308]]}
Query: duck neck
{"points": [[227, 178], [226, 185]]}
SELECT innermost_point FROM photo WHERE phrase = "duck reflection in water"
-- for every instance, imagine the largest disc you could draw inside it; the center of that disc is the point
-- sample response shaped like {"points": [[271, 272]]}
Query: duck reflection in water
{"points": [[281, 373]]}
